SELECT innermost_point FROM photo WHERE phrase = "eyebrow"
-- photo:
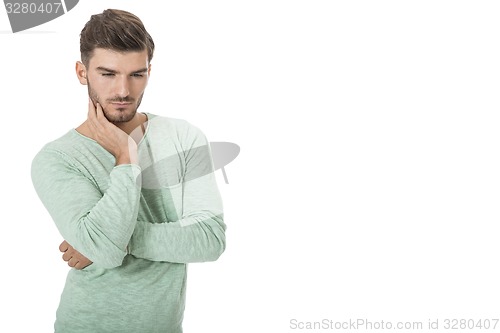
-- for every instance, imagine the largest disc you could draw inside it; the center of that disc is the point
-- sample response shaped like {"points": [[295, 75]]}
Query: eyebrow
{"points": [[109, 70]]}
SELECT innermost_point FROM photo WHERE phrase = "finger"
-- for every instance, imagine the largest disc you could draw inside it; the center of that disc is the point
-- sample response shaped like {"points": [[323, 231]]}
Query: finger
{"points": [[99, 113], [67, 255], [93, 120], [72, 262], [91, 108], [70, 252], [64, 246], [91, 116], [82, 264]]}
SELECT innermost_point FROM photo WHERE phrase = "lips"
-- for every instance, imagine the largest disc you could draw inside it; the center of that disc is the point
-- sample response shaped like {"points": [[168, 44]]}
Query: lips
{"points": [[121, 105]]}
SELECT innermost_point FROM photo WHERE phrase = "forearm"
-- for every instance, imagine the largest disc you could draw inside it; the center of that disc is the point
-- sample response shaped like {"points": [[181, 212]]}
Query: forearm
{"points": [[197, 235], [197, 238], [104, 232]]}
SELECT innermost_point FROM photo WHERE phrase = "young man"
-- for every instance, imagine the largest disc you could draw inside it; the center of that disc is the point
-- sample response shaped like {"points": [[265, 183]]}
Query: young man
{"points": [[133, 194]]}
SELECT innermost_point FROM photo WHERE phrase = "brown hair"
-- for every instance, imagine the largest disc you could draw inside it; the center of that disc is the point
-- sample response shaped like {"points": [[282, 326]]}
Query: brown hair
{"points": [[115, 30]]}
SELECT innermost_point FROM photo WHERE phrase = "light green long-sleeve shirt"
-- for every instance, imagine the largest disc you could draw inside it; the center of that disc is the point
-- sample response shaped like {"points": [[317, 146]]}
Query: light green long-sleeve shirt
{"points": [[139, 224]]}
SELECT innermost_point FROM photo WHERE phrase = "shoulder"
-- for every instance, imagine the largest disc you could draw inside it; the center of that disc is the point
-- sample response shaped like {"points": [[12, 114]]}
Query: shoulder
{"points": [[182, 129], [175, 123], [62, 143], [56, 151]]}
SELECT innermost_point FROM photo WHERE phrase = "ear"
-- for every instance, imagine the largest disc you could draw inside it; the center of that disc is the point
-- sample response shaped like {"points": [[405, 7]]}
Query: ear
{"points": [[81, 72]]}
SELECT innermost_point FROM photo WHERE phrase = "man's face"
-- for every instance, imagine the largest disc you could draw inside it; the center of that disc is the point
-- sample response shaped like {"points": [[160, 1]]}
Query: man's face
{"points": [[117, 80]]}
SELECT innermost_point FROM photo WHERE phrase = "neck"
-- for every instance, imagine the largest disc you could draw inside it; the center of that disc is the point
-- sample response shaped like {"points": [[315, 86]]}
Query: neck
{"points": [[132, 125]]}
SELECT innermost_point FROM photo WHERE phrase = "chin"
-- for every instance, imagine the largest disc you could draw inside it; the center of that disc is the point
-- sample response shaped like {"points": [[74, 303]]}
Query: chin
{"points": [[120, 116]]}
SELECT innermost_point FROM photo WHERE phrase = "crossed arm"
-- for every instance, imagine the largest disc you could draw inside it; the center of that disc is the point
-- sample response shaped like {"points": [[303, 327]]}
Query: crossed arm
{"points": [[92, 237]]}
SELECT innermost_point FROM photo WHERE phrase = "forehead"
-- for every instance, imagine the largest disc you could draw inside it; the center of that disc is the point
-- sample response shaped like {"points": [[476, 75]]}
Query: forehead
{"points": [[119, 61]]}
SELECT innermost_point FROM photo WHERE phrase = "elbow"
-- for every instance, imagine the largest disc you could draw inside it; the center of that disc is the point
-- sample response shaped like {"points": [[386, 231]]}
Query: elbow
{"points": [[212, 245], [214, 254], [98, 247], [109, 262], [100, 250], [106, 258], [218, 247]]}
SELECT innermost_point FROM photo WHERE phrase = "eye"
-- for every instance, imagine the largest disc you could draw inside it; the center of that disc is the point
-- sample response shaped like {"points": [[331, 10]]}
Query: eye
{"points": [[137, 75], [108, 74]]}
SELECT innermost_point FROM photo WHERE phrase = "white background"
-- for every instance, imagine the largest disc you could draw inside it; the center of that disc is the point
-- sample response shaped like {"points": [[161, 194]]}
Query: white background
{"points": [[367, 186]]}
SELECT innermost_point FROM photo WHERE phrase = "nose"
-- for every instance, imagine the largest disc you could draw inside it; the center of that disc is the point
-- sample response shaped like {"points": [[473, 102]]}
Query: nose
{"points": [[122, 86]]}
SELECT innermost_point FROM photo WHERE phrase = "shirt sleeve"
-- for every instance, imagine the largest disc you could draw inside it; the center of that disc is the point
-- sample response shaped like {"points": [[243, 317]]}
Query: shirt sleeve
{"points": [[98, 225], [198, 235]]}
